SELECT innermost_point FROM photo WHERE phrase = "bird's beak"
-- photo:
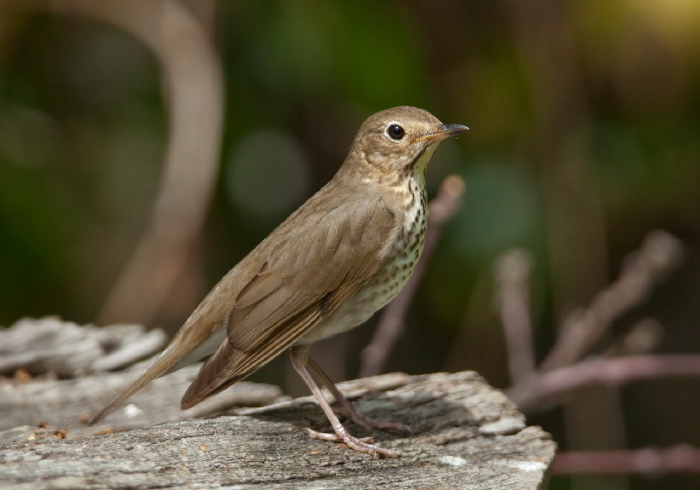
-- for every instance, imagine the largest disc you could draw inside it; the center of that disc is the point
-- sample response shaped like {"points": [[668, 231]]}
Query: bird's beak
{"points": [[443, 132]]}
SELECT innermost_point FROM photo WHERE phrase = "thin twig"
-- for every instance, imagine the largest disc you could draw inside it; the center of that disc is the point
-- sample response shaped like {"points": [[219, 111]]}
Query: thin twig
{"points": [[513, 298], [391, 323], [556, 384], [682, 458], [659, 253]]}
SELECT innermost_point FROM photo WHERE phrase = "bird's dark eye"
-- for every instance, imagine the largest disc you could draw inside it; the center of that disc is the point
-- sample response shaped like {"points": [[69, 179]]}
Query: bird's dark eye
{"points": [[395, 132]]}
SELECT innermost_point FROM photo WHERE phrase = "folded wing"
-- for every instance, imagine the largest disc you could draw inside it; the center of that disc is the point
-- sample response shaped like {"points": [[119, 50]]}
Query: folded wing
{"points": [[307, 273]]}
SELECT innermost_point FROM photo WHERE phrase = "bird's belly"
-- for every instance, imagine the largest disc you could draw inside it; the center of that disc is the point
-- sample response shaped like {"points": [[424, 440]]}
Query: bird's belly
{"points": [[353, 312]]}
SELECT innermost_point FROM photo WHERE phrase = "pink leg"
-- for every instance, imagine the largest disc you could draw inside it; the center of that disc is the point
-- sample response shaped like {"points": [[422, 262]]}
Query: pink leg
{"points": [[349, 409], [300, 361]]}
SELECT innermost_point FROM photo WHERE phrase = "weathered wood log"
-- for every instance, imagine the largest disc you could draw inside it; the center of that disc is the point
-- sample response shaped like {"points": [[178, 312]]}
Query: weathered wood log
{"points": [[465, 435], [50, 345], [68, 404], [37, 397]]}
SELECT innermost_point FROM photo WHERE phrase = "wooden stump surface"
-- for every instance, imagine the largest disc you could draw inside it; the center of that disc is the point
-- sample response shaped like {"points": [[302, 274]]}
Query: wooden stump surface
{"points": [[466, 435]]}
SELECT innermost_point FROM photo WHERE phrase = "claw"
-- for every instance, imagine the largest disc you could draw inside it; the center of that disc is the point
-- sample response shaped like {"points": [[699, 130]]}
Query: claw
{"points": [[362, 444]]}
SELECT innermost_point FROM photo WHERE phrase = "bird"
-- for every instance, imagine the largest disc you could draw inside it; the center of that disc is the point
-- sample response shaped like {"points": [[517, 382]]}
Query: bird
{"points": [[340, 257]]}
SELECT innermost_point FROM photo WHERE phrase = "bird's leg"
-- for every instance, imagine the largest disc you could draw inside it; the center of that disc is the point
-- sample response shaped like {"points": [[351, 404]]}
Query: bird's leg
{"points": [[300, 361], [349, 409]]}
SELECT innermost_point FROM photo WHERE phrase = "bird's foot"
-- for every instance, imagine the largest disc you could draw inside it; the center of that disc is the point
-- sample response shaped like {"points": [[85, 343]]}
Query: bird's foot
{"points": [[361, 444]]}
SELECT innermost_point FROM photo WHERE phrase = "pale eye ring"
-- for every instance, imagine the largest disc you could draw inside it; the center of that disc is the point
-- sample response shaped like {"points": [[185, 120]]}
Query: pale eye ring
{"points": [[395, 132]]}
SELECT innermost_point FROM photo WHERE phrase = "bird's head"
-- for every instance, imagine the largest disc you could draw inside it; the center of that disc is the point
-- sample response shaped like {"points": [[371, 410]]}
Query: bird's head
{"points": [[397, 143]]}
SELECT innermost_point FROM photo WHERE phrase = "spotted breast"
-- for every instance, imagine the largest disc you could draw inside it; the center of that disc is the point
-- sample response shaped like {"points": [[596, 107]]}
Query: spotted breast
{"points": [[391, 278]]}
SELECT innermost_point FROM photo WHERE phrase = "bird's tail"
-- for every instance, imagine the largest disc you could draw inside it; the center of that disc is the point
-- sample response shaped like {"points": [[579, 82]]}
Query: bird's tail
{"points": [[161, 364], [178, 354]]}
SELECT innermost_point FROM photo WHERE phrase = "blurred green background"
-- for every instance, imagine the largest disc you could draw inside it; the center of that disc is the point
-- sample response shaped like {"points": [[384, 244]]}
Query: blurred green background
{"points": [[585, 136]]}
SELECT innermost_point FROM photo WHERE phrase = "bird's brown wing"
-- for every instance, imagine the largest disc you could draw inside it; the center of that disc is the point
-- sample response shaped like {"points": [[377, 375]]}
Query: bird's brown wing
{"points": [[304, 278]]}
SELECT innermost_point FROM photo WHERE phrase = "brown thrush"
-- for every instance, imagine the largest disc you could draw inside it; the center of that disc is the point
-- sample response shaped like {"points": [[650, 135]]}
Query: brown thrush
{"points": [[339, 258]]}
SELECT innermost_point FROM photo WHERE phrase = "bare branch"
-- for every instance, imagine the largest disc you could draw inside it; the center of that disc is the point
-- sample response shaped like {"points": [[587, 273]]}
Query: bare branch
{"points": [[682, 458], [556, 384], [658, 255], [513, 297]]}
